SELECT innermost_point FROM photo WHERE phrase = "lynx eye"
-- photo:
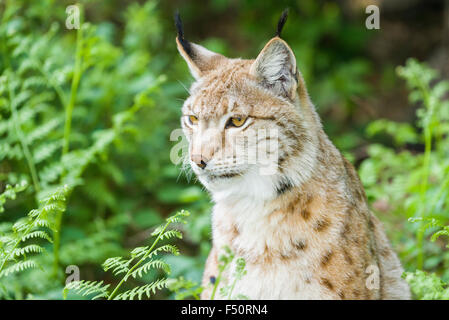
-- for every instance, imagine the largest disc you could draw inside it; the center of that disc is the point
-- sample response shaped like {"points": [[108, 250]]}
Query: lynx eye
{"points": [[193, 120], [236, 122]]}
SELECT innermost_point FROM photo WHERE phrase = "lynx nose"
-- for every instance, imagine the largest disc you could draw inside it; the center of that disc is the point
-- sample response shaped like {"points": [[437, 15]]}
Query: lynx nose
{"points": [[199, 160]]}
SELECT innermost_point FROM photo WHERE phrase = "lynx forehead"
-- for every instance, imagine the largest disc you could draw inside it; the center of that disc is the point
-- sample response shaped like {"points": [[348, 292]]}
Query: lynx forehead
{"points": [[305, 231]]}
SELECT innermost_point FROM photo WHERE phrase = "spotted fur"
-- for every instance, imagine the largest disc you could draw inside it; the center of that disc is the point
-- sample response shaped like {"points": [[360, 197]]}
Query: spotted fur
{"points": [[306, 231]]}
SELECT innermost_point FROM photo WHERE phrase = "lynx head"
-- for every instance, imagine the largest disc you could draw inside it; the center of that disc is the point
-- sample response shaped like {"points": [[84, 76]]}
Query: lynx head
{"points": [[249, 123]]}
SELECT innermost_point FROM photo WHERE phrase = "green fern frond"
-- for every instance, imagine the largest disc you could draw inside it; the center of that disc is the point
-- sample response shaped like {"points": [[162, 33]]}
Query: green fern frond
{"points": [[27, 228], [117, 264], [443, 232], [18, 267], [51, 172], [43, 223], [34, 82], [32, 248], [11, 193], [86, 288], [20, 225], [145, 263], [139, 251], [22, 97], [157, 230], [43, 102], [46, 150], [37, 234], [27, 65], [28, 112], [148, 290], [43, 130], [153, 264], [168, 248], [171, 234], [184, 288], [10, 152], [179, 217]]}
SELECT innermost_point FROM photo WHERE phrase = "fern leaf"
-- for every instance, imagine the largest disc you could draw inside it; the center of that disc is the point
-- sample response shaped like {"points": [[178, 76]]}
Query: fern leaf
{"points": [[43, 223], [26, 66], [20, 225], [11, 192], [43, 130], [178, 217], [158, 264], [51, 172], [21, 97], [32, 248], [139, 251], [34, 81], [148, 290], [8, 151], [117, 264], [86, 288], [18, 267], [171, 234], [37, 234], [158, 230], [45, 151], [169, 248], [28, 113]]}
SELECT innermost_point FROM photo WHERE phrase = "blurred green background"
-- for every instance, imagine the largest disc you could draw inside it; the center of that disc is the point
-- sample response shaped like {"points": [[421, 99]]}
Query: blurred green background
{"points": [[125, 82]]}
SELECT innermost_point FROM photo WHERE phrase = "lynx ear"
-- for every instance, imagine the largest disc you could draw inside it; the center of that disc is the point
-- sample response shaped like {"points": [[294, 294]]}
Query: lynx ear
{"points": [[199, 59], [275, 68]]}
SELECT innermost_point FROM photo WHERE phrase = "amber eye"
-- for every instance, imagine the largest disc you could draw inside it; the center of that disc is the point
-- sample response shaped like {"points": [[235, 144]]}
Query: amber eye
{"points": [[236, 122], [193, 120]]}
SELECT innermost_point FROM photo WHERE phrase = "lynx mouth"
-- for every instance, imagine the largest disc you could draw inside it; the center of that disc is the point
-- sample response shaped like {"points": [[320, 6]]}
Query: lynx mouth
{"points": [[228, 175]]}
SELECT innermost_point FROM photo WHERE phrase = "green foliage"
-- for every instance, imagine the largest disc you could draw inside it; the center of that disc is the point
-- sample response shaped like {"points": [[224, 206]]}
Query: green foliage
{"points": [[238, 274], [11, 193], [47, 143], [15, 246], [228, 264], [142, 260], [427, 286], [225, 261], [184, 289], [415, 185], [87, 288], [433, 224]]}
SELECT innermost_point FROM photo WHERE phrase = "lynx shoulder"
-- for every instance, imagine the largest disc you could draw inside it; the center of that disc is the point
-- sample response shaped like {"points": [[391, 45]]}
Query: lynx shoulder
{"points": [[285, 199]]}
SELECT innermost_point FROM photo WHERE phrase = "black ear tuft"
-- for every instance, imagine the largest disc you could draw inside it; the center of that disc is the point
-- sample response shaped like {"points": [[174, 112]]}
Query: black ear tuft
{"points": [[281, 22], [185, 44]]}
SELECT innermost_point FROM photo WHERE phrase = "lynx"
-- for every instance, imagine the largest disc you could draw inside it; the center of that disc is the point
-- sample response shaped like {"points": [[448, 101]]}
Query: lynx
{"points": [[304, 230]]}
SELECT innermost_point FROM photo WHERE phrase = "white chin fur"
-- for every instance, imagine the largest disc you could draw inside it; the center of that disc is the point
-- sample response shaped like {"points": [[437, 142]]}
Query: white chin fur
{"points": [[250, 187]]}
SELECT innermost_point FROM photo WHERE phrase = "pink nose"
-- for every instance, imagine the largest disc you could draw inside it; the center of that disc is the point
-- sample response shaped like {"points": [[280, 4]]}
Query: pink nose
{"points": [[199, 160]]}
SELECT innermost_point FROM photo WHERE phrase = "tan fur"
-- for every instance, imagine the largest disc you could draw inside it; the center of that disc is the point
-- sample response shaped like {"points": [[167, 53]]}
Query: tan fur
{"points": [[316, 237]]}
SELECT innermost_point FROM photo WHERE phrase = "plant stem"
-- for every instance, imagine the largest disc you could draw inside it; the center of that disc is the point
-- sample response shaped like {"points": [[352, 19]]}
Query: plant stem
{"points": [[427, 122], [232, 288], [426, 165], [424, 186], [74, 88], [67, 128], [217, 281], [22, 139], [57, 243]]}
